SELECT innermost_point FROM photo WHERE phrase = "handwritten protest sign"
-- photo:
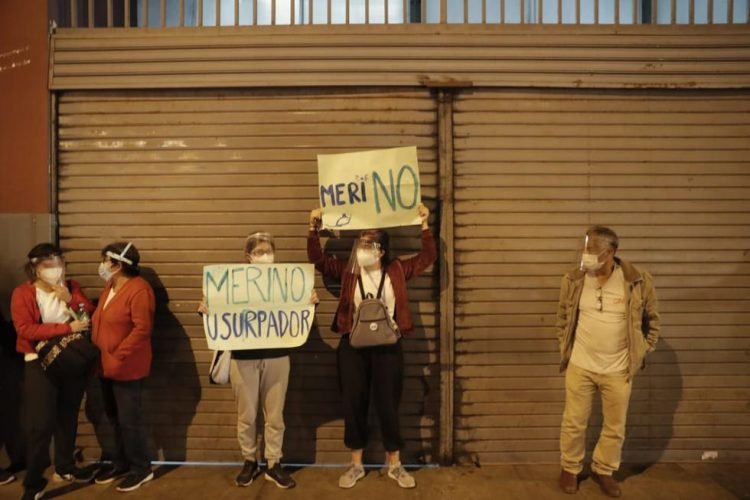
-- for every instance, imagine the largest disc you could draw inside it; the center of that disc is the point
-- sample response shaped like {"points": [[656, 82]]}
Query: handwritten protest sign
{"points": [[369, 189], [257, 306]]}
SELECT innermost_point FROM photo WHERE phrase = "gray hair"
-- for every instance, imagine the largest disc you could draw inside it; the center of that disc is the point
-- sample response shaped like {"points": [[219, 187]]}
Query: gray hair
{"points": [[604, 233]]}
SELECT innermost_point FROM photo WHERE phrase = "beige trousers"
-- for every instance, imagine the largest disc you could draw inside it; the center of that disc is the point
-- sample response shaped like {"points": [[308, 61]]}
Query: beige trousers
{"points": [[580, 387], [261, 381]]}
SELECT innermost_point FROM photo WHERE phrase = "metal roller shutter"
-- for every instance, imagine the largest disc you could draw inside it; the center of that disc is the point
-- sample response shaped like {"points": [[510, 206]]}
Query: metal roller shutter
{"points": [[186, 175], [668, 170]]}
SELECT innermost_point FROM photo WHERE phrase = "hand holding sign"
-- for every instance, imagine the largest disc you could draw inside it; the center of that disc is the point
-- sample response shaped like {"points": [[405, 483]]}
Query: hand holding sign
{"points": [[370, 189], [257, 306]]}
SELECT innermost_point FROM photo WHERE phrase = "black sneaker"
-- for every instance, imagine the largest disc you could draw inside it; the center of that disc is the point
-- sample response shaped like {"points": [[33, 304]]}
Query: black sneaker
{"points": [[134, 480], [6, 477], [279, 476], [32, 494], [109, 473], [75, 475], [247, 474]]}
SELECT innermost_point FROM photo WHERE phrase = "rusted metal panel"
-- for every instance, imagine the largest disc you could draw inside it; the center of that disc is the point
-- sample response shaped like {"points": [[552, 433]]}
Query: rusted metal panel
{"points": [[186, 175], [533, 169], [547, 56]]}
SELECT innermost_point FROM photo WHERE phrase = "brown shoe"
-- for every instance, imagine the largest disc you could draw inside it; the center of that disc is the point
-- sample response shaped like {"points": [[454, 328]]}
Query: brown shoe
{"points": [[608, 485], [568, 482]]}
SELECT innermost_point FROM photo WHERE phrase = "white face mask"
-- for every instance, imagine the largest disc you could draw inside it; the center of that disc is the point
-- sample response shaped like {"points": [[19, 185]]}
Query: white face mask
{"points": [[104, 272], [51, 275], [366, 258], [266, 258], [590, 261]]}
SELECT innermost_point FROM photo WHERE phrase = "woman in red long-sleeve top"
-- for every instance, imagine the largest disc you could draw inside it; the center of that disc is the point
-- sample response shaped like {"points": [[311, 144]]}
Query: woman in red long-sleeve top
{"points": [[378, 370], [121, 328], [40, 311]]}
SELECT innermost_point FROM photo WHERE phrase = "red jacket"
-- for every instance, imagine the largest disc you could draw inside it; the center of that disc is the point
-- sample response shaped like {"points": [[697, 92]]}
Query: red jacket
{"points": [[399, 271], [27, 317], [122, 330]]}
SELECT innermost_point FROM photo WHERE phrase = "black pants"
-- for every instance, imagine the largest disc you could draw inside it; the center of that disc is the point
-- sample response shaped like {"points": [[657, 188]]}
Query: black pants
{"points": [[50, 408], [11, 385], [123, 404], [377, 369]]}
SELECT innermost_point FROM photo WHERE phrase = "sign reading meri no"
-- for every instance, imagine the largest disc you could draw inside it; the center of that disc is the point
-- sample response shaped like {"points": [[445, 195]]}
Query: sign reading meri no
{"points": [[257, 306], [370, 189]]}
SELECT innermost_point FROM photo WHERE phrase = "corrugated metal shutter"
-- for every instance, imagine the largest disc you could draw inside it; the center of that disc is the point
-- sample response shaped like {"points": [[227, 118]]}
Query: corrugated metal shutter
{"points": [[186, 176], [670, 171]]}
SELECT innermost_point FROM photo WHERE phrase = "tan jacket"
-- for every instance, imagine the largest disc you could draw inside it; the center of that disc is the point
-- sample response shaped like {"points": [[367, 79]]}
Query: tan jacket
{"points": [[643, 314]]}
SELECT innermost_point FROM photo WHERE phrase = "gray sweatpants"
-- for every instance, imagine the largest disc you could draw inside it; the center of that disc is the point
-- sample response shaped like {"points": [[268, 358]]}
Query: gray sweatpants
{"points": [[264, 381]]}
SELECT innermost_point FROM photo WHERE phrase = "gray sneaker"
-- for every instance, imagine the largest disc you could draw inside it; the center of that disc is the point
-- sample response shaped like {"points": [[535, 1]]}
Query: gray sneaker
{"points": [[353, 474], [399, 474]]}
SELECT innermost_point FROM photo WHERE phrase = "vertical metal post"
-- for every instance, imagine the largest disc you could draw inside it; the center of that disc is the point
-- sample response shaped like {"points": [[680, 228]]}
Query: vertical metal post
{"points": [[163, 14], [447, 303], [73, 13], [109, 14], [91, 13]]}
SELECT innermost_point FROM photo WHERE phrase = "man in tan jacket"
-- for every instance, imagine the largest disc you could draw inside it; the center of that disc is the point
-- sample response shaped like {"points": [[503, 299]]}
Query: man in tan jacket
{"points": [[607, 321]]}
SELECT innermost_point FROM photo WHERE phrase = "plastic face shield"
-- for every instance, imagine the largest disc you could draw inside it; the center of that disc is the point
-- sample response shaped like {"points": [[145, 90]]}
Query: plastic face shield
{"points": [[364, 246], [590, 245], [258, 250], [121, 256], [48, 261]]}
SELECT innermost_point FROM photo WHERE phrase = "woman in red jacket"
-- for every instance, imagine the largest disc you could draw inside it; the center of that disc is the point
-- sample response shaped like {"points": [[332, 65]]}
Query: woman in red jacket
{"points": [[121, 328], [379, 369], [41, 311]]}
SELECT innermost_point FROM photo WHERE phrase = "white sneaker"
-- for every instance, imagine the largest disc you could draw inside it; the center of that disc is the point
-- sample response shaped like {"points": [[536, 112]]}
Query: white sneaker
{"points": [[353, 474], [399, 474]]}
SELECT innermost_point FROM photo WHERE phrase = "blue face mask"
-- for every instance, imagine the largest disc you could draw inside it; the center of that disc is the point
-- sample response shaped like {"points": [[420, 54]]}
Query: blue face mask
{"points": [[105, 273]]}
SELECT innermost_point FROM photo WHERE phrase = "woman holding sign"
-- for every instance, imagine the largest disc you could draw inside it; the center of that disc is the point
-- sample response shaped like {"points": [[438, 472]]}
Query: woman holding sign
{"points": [[260, 377], [372, 315]]}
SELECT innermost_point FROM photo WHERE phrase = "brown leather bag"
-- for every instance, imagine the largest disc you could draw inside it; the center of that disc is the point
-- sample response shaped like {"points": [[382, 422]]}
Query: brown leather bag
{"points": [[373, 325]]}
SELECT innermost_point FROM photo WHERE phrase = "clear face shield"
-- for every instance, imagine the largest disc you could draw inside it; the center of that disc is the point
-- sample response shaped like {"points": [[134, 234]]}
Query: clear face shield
{"points": [[366, 254], [259, 248], [50, 269], [592, 253]]}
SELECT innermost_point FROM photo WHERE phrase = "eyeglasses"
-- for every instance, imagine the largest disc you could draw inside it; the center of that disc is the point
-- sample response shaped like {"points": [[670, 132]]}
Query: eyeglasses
{"points": [[599, 301], [260, 253]]}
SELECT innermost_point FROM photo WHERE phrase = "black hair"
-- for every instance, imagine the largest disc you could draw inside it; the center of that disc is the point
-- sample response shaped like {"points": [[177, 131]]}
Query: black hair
{"points": [[38, 253], [132, 254]]}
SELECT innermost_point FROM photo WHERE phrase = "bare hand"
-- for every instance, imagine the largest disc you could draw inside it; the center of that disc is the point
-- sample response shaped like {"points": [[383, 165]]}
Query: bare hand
{"points": [[424, 214], [62, 293], [314, 298], [79, 326], [202, 307], [316, 216]]}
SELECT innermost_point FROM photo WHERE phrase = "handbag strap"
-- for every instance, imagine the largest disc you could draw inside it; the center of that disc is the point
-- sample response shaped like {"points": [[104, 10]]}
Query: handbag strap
{"points": [[380, 286]]}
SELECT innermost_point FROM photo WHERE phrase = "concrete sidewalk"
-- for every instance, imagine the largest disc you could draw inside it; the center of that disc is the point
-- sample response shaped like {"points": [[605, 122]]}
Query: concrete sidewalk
{"points": [[535, 482]]}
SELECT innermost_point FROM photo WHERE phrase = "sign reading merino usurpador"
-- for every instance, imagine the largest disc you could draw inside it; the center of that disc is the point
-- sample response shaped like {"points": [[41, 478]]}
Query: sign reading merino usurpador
{"points": [[257, 306], [370, 189]]}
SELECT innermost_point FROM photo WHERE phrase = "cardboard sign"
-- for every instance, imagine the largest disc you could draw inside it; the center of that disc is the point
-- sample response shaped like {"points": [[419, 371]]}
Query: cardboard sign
{"points": [[257, 306], [371, 189]]}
